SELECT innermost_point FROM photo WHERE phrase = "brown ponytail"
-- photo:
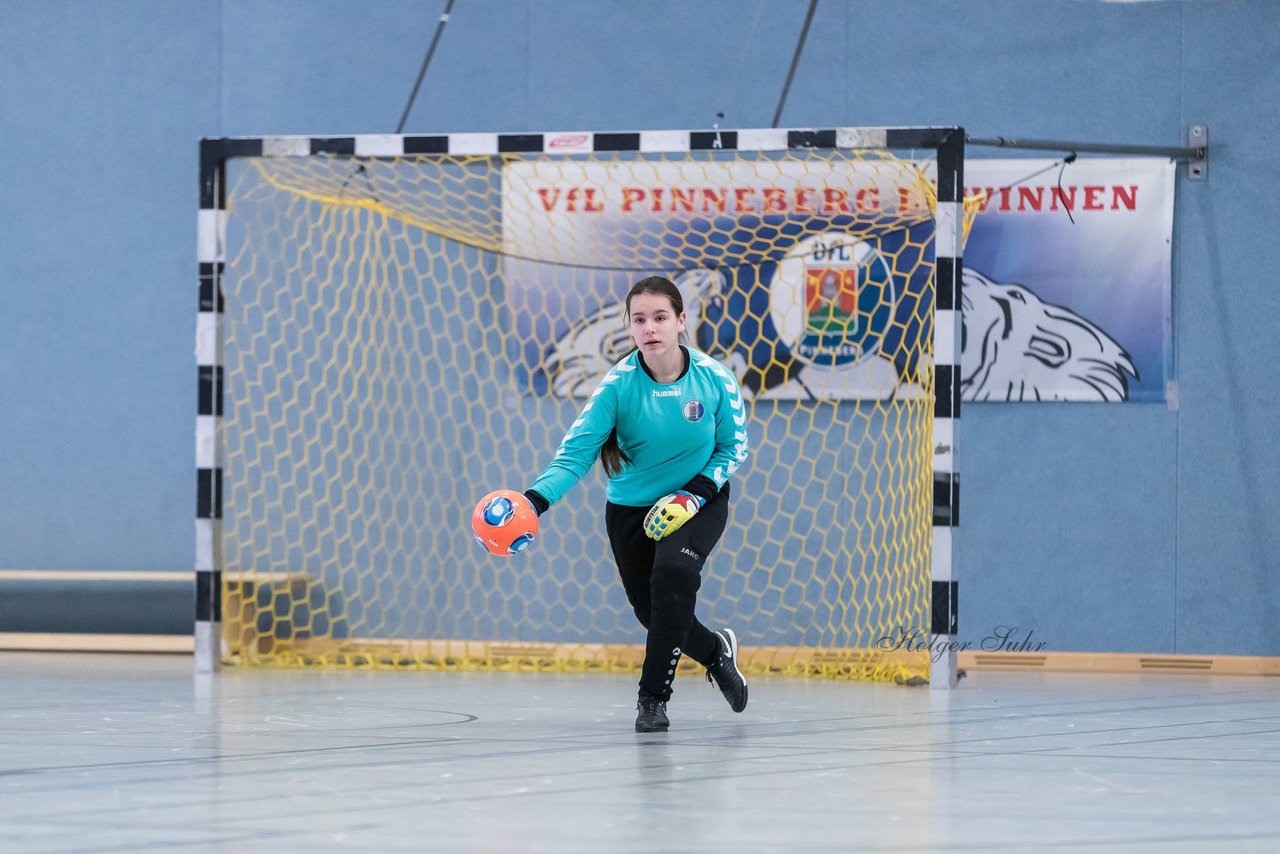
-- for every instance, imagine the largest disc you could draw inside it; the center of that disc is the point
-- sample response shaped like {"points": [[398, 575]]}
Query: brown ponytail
{"points": [[612, 457]]}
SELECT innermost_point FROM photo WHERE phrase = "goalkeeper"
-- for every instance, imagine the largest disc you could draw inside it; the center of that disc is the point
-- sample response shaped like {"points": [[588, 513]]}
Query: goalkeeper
{"points": [[669, 427]]}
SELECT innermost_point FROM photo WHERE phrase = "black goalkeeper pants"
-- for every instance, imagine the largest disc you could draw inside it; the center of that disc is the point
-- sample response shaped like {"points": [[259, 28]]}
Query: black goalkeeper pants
{"points": [[662, 580]]}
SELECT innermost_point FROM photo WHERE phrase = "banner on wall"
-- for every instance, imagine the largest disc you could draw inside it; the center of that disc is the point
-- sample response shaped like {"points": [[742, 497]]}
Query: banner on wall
{"points": [[1067, 275]]}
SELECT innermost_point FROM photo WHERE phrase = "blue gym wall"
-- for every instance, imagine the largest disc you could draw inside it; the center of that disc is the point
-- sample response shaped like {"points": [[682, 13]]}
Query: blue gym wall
{"points": [[1123, 528]]}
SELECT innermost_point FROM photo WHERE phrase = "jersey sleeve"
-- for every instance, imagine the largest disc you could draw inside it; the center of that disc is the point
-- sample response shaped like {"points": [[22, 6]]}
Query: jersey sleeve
{"points": [[581, 444], [731, 428]]}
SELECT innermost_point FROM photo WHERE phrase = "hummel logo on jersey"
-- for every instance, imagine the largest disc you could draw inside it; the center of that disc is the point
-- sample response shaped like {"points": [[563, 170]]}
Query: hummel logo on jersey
{"points": [[675, 392]]}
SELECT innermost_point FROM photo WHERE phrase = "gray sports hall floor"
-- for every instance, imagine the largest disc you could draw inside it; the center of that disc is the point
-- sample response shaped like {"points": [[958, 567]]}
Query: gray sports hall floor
{"points": [[134, 753]]}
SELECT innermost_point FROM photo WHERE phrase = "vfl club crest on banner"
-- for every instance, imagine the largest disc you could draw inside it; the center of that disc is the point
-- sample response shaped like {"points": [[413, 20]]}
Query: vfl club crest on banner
{"points": [[832, 299]]}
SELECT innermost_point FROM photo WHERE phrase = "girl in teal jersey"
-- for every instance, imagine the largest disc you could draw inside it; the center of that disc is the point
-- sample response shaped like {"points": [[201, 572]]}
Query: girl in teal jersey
{"points": [[669, 426]]}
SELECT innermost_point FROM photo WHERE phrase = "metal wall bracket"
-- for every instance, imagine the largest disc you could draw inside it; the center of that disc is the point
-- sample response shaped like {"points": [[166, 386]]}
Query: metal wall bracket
{"points": [[1198, 166]]}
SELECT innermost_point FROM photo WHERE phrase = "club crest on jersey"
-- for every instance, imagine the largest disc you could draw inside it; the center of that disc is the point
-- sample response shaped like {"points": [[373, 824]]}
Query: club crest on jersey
{"points": [[694, 410]]}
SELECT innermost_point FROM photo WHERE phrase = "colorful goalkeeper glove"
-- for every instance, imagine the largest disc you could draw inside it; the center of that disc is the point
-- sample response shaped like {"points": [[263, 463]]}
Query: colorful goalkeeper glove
{"points": [[670, 513]]}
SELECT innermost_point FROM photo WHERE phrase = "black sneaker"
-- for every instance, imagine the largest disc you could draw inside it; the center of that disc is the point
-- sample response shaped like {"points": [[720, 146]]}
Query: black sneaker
{"points": [[725, 673], [653, 715]]}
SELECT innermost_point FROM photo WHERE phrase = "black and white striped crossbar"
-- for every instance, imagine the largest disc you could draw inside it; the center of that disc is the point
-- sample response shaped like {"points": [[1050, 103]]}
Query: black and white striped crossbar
{"points": [[576, 142]]}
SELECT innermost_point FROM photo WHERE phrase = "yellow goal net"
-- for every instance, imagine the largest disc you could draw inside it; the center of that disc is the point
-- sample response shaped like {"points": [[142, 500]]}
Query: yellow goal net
{"points": [[405, 332]]}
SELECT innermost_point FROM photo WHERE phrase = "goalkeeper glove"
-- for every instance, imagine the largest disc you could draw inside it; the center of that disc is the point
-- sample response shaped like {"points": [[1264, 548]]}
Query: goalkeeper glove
{"points": [[670, 513]]}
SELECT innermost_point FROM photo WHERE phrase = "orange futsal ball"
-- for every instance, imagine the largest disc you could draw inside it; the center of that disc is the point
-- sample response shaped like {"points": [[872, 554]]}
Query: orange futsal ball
{"points": [[504, 522]]}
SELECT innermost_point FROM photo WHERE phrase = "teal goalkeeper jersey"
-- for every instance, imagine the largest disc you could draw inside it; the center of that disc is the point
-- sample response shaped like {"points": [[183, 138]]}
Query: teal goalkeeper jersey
{"points": [[671, 432]]}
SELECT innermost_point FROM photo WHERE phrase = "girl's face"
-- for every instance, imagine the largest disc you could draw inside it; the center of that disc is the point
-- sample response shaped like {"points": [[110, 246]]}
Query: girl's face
{"points": [[655, 326]]}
